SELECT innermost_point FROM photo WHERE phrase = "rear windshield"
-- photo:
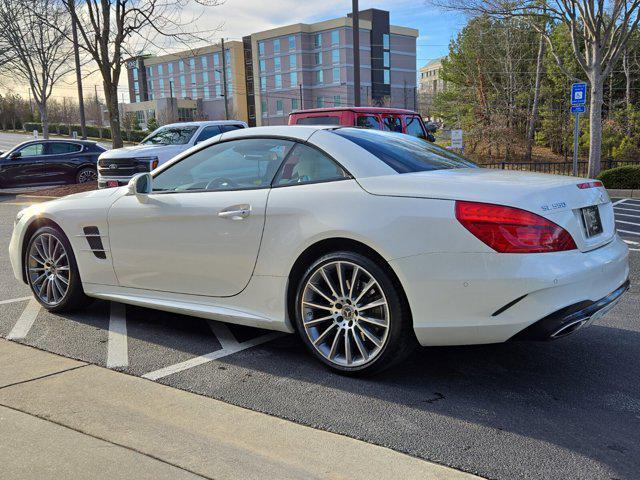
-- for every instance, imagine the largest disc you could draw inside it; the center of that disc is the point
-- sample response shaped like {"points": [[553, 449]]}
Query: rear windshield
{"points": [[404, 153], [325, 120]]}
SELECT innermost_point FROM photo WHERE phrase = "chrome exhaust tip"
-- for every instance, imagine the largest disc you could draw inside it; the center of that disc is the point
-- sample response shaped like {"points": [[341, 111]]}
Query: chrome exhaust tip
{"points": [[569, 328]]}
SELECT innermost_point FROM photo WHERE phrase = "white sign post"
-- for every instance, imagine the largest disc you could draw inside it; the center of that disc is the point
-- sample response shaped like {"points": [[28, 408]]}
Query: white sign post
{"points": [[35, 134], [74, 135], [456, 139]]}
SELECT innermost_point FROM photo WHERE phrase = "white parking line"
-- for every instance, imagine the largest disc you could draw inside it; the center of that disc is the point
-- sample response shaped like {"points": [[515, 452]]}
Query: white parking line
{"points": [[14, 300], [25, 322], [618, 209], [626, 215], [230, 346], [628, 232], [628, 223], [631, 242], [117, 351], [620, 201]]}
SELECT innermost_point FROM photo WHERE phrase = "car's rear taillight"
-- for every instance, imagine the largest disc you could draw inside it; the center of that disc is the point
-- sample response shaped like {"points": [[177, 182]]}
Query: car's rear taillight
{"points": [[584, 185], [512, 230]]}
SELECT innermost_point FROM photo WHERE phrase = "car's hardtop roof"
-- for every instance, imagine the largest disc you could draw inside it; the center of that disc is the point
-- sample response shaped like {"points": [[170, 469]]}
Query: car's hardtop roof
{"points": [[205, 123], [400, 111]]}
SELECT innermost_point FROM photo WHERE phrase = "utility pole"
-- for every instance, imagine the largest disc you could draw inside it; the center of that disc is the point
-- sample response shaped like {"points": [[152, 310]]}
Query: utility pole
{"points": [[224, 81], [301, 101], [76, 56], [355, 15]]}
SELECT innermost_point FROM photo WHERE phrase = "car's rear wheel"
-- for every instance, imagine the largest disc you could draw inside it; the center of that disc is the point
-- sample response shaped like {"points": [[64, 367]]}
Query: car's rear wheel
{"points": [[351, 314], [52, 272], [86, 175]]}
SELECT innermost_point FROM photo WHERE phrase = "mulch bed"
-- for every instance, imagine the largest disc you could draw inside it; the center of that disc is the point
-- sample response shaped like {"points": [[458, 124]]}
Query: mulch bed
{"points": [[63, 190]]}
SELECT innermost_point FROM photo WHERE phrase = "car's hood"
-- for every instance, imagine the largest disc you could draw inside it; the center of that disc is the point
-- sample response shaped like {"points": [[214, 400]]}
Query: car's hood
{"points": [[134, 150], [536, 192]]}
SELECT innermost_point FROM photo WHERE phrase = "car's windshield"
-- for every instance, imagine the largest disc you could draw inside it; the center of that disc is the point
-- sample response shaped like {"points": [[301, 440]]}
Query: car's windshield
{"points": [[404, 153], [170, 136]]}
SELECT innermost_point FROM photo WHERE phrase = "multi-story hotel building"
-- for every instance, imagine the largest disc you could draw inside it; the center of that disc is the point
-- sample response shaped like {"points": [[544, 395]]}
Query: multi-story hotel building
{"points": [[273, 72], [430, 85]]}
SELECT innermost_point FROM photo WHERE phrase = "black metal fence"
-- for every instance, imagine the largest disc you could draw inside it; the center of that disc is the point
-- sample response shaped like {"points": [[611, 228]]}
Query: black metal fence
{"points": [[558, 168]]}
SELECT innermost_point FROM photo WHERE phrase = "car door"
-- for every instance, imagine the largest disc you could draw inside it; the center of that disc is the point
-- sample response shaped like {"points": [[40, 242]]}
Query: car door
{"points": [[62, 160], [24, 166], [200, 229], [392, 123]]}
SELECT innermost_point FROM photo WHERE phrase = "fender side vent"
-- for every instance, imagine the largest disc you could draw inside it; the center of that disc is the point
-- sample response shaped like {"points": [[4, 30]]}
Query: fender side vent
{"points": [[95, 242], [507, 306]]}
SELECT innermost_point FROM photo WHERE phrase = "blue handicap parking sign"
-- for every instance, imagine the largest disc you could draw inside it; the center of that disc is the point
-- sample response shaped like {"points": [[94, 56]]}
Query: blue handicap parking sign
{"points": [[578, 94], [577, 108]]}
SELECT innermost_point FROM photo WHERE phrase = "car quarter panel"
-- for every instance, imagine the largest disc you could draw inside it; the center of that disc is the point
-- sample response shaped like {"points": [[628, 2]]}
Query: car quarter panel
{"points": [[299, 216]]}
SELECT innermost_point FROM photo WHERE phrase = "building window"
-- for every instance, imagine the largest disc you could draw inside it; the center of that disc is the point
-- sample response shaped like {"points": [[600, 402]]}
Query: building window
{"points": [[171, 91], [336, 75], [293, 61], [276, 46], [319, 102], [150, 72], [207, 94], [279, 108], [277, 64], [292, 42], [385, 59], [217, 76], [137, 97], [134, 72], [160, 70], [293, 78], [204, 62], [261, 48], [385, 41], [387, 77], [216, 59], [318, 58], [317, 40], [150, 89], [183, 92], [218, 90], [192, 63], [278, 81], [263, 83], [161, 87], [337, 101], [335, 37], [263, 65], [335, 56], [183, 81], [227, 57], [193, 79], [319, 76], [194, 93], [263, 107], [170, 68], [181, 66], [294, 104], [205, 78]]}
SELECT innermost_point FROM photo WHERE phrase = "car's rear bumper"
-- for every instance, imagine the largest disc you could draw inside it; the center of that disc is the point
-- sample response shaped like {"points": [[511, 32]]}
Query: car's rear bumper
{"points": [[473, 298]]}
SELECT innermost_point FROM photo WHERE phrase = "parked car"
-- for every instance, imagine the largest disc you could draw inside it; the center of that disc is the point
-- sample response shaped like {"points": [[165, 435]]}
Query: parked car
{"points": [[117, 166], [49, 162], [363, 242], [390, 119]]}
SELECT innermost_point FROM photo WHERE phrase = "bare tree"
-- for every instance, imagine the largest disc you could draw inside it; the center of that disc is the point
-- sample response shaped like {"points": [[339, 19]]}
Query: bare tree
{"points": [[599, 32], [113, 31], [35, 54]]}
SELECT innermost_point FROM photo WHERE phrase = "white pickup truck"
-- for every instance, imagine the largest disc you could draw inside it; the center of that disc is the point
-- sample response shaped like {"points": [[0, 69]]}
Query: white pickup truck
{"points": [[116, 167]]}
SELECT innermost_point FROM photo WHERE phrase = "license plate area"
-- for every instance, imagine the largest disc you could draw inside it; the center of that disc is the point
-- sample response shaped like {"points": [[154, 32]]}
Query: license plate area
{"points": [[112, 183], [591, 221]]}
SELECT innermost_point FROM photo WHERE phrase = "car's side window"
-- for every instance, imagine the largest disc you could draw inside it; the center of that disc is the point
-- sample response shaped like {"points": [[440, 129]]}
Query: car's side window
{"points": [[63, 147], [392, 124], [368, 121], [208, 132], [246, 163], [414, 127], [32, 150], [230, 128], [308, 165]]}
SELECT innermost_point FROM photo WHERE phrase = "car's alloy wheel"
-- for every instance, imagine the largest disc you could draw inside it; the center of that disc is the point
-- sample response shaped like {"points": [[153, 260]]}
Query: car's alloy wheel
{"points": [[351, 315], [52, 272], [48, 269], [87, 175]]}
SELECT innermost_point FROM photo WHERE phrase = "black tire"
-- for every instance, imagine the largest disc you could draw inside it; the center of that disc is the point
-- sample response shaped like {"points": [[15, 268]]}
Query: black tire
{"points": [[74, 297], [86, 175], [400, 338]]}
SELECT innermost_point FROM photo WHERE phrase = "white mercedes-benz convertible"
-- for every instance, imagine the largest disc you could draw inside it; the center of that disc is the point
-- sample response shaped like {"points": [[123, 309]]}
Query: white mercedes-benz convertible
{"points": [[363, 242]]}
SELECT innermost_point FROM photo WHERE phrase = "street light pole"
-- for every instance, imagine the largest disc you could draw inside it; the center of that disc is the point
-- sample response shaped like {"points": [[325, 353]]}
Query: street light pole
{"points": [[301, 102], [356, 53], [224, 81]]}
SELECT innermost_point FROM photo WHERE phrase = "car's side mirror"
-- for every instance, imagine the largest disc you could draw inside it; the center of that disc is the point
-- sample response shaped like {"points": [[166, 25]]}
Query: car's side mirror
{"points": [[140, 184], [15, 155]]}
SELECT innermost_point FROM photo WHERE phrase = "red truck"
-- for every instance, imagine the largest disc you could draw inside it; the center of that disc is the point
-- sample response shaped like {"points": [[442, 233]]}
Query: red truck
{"points": [[391, 119]]}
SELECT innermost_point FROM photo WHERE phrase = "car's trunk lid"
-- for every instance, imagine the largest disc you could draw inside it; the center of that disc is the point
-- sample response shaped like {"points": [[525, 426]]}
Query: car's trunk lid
{"points": [[555, 197]]}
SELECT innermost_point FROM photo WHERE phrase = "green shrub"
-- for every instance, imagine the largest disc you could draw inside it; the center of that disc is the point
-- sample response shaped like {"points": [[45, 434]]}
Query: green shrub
{"points": [[31, 126], [621, 177]]}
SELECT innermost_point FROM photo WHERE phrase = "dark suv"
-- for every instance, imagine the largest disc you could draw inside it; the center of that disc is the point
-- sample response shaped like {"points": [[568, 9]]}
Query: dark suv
{"points": [[49, 162]]}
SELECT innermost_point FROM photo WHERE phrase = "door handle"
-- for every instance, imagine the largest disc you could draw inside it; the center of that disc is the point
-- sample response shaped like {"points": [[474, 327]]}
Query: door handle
{"points": [[236, 212]]}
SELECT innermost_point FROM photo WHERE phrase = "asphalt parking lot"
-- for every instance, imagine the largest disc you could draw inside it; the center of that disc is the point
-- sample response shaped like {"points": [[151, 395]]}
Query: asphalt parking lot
{"points": [[564, 409]]}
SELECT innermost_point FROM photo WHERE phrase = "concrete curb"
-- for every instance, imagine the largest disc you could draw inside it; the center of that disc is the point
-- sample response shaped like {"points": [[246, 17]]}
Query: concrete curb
{"points": [[620, 193], [195, 434]]}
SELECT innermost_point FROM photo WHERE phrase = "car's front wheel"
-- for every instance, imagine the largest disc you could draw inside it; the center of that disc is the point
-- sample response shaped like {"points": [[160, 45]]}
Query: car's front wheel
{"points": [[86, 175], [52, 272], [351, 314]]}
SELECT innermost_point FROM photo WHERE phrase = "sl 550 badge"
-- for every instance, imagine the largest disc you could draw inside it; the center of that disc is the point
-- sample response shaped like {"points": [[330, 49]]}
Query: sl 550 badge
{"points": [[553, 206]]}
